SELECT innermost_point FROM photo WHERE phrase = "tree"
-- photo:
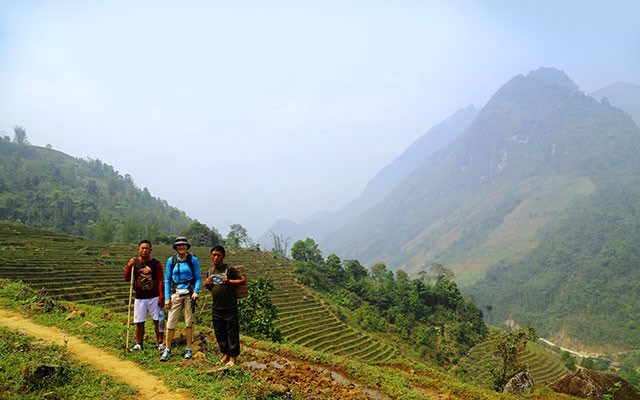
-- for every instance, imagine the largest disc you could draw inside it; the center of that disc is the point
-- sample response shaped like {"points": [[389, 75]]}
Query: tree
{"points": [[508, 346], [20, 135], [280, 244], [333, 267], [568, 360], [436, 271], [379, 272], [237, 237], [257, 313], [307, 251], [355, 270], [588, 363], [200, 235], [105, 229]]}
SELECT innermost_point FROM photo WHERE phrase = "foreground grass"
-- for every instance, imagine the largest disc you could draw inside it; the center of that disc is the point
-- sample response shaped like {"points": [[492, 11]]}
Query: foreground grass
{"points": [[23, 357], [105, 329]]}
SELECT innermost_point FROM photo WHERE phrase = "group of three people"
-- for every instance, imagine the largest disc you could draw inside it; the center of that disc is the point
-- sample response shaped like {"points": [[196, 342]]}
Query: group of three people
{"points": [[177, 289]]}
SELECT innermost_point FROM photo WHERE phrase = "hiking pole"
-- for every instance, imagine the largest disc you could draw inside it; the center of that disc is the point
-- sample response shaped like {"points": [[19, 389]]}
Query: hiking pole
{"points": [[126, 346]]}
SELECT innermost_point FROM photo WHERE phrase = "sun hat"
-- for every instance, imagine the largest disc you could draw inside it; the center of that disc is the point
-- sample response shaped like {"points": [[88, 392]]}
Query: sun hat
{"points": [[181, 240]]}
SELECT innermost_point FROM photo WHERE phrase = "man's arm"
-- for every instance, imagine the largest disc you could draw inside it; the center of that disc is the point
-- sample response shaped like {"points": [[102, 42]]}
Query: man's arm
{"points": [[237, 278], [160, 280], [128, 269]]}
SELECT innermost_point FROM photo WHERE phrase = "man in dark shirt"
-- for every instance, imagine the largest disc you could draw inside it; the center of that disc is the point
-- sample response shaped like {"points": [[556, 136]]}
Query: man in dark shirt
{"points": [[223, 281], [149, 287]]}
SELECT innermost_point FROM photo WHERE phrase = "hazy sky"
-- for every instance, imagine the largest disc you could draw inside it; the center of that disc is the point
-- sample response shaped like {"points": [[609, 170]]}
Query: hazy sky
{"points": [[247, 111]]}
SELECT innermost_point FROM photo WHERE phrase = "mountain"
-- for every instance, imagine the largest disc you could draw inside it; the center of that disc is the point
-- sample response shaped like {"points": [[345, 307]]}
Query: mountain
{"points": [[321, 224], [623, 95], [540, 152], [46, 188]]}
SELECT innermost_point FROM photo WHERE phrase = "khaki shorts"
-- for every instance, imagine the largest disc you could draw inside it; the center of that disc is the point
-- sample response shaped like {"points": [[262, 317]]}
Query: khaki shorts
{"points": [[178, 303]]}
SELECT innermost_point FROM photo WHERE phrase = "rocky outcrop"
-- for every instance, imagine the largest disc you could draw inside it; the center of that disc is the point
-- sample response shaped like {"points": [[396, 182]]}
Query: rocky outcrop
{"points": [[588, 384], [520, 383]]}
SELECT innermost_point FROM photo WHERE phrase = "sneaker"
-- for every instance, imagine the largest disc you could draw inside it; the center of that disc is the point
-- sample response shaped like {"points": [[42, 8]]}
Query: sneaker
{"points": [[161, 346], [188, 353], [137, 347], [166, 355]]}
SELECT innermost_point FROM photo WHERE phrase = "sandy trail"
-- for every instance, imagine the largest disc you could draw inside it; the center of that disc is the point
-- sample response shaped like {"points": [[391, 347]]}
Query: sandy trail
{"points": [[147, 385]]}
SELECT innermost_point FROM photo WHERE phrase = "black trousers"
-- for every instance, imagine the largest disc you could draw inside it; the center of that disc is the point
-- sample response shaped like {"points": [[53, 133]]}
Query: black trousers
{"points": [[227, 330]]}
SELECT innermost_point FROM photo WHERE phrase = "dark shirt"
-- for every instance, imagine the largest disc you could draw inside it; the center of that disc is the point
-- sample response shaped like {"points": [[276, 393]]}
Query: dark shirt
{"points": [[224, 295], [147, 278]]}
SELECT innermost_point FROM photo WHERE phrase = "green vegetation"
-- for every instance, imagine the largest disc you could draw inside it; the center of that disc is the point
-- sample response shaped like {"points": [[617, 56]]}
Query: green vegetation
{"points": [[238, 237], [434, 319], [45, 188], [583, 278], [481, 363], [257, 313], [32, 369], [509, 348]]}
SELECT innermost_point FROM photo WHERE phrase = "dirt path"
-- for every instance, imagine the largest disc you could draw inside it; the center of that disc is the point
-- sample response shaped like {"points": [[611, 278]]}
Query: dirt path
{"points": [[147, 385]]}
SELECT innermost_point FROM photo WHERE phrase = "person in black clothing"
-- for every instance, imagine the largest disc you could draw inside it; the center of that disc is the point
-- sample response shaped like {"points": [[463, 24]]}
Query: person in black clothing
{"points": [[222, 282], [148, 282]]}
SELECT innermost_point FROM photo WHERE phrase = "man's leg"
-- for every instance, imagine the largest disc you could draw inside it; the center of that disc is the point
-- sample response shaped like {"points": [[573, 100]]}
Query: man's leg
{"points": [[177, 305], [159, 335], [188, 321], [140, 332], [172, 323], [233, 334], [139, 318], [188, 333], [169, 338], [220, 330], [157, 314]]}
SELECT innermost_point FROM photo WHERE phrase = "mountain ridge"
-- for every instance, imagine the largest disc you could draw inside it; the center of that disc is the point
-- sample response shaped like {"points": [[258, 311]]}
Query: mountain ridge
{"points": [[496, 146], [323, 223], [483, 205]]}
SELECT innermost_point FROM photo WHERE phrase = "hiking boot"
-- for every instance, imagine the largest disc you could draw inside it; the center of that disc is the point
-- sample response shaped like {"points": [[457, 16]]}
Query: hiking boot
{"points": [[188, 353], [161, 346], [137, 347], [166, 355]]}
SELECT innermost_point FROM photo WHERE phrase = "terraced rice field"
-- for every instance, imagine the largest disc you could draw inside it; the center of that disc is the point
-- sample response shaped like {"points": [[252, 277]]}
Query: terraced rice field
{"points": [[75, 269], [544, 365]]}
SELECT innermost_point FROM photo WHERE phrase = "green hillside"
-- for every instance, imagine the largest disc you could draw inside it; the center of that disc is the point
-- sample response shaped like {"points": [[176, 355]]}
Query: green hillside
{"points": [[581, 285], [46, 188]]}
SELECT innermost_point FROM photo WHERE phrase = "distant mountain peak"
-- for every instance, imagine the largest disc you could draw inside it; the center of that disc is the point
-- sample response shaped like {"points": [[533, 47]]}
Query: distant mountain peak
{"points": [[552, 76]]}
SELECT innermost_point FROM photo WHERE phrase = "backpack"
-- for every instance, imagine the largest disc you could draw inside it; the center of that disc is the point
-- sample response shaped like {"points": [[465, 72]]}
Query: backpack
{"points": [[174, 262]]}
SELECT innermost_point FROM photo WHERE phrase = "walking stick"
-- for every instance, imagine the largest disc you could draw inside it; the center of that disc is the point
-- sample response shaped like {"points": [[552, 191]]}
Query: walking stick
{"points": [[126, 347]]}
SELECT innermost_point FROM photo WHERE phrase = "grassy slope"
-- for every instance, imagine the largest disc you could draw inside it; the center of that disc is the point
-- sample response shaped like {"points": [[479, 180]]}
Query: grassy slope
{"points": [[514, 236], [40, 257], [23, 358]]}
